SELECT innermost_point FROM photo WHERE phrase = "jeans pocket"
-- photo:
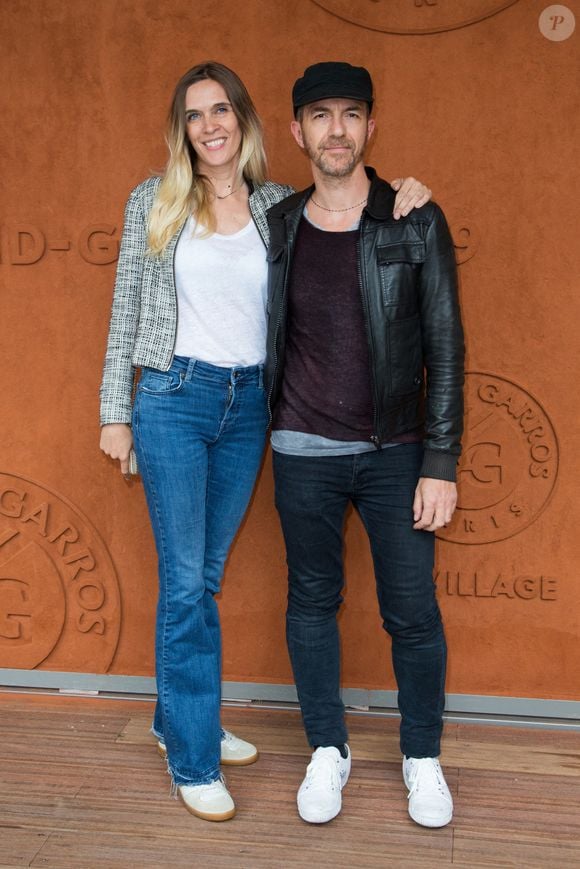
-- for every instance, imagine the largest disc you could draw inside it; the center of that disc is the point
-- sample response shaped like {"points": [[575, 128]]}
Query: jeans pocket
{"points": [[154, 382]]}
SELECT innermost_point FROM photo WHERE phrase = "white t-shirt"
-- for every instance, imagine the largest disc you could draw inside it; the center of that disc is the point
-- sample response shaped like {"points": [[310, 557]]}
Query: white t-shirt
{"points": [[221, 296]]}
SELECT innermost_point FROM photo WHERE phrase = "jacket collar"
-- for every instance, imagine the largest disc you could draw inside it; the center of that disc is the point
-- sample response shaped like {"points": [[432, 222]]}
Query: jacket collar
{"points": [[381, 199], [380, 203]]}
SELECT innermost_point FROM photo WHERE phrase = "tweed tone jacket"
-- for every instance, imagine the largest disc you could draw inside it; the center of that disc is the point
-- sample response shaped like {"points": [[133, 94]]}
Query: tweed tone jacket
{"points": [[144, 316]]}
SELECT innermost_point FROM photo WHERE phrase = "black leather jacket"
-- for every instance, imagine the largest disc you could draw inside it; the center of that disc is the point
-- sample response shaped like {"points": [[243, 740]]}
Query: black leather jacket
{"points": [[408, 283]]}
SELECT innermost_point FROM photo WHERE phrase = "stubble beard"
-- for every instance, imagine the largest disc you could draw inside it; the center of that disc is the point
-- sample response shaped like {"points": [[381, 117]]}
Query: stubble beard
{"points": [[330, 168]]}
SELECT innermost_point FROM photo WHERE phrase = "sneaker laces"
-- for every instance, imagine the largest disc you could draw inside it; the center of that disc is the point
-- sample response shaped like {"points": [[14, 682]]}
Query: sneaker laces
{"points": [[213, 789], [322, 772], [426, 774]]}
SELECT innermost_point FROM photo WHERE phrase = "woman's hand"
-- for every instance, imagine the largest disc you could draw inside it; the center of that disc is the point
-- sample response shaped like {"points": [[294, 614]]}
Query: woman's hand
{"points": [[116, 442], [410, 194]]}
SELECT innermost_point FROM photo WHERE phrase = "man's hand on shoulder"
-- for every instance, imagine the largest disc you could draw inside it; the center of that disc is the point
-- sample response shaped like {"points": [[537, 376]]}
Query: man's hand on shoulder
{"points": [[434, 504], [410, 194]]}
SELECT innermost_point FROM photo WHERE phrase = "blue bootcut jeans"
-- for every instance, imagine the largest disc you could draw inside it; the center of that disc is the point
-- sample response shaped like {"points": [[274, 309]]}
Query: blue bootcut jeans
{"points": [[312, 494], [199, 435]]}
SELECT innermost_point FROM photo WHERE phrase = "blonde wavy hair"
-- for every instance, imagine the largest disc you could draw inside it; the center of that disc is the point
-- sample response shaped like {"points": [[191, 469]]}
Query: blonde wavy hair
{"points": [[183, 189]]}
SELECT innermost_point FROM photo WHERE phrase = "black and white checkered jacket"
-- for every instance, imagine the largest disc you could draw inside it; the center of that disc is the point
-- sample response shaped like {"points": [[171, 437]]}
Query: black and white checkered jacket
{"points": [[144, 315]]}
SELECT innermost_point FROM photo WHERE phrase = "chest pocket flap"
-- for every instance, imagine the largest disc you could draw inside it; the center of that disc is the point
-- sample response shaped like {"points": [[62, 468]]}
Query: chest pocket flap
{"points": [[401, 252], [399, 265]]}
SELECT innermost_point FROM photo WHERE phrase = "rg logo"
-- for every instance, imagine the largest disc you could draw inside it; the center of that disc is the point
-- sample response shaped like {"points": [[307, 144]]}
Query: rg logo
{"points": [[60, 603], [509, 464], [15, 611], [478, 464]]}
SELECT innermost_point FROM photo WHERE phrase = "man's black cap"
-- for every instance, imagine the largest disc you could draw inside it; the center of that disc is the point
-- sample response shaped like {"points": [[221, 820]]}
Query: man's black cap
{"points": [[333, 79]]}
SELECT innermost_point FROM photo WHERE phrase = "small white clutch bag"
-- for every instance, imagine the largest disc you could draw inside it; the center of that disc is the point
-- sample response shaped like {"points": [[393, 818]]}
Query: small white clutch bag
{"points": [[133, 469]]}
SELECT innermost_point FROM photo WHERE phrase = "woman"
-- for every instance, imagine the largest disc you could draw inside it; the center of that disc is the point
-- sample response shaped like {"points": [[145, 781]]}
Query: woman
{"points": [[189, 309]]}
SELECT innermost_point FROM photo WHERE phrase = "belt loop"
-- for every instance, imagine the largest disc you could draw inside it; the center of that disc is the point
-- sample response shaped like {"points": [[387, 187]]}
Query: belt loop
{"points": [[190, 367], [261, 376]]}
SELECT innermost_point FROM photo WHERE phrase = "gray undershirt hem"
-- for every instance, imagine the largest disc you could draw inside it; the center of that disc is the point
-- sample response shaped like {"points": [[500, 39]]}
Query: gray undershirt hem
{"points": [[300, 443]]}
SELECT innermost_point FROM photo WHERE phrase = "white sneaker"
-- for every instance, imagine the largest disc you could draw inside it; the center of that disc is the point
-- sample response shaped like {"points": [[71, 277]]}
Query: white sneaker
{"points": [[234, 751], [212, 802], [430, 803], [319, 796]]}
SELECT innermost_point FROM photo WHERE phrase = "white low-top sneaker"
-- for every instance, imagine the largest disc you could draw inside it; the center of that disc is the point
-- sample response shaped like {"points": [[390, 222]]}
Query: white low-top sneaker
{"points": [[234, 751], [212, 802], [430, 803], [319, 796]]}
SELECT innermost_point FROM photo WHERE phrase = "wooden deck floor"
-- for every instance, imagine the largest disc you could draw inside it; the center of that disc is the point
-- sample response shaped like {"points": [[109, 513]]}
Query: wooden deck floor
{"points": [[82, 787]]}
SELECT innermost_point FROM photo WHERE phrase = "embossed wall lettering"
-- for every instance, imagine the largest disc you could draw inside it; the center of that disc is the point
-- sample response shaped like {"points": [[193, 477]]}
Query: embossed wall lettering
{"points": [[465, 239], [414, 16], [98, 244], [509, 463], [58, 584], [26, 244], [496, 585]]}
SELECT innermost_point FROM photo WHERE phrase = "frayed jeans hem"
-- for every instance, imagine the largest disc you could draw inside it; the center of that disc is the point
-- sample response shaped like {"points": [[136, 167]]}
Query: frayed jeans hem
{"points": [[161, 738], [204, 779]]}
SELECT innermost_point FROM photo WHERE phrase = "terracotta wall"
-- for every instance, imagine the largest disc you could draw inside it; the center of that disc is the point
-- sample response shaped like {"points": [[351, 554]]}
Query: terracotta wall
{"points": [[473, 98]]}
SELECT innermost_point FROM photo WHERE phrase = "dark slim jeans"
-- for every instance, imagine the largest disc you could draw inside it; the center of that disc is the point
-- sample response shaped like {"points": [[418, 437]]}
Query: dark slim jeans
{"points": [[312, 494]]}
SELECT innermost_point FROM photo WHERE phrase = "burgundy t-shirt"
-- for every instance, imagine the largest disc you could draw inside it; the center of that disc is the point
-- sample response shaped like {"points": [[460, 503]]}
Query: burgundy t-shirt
{"points": [[326, 388]]}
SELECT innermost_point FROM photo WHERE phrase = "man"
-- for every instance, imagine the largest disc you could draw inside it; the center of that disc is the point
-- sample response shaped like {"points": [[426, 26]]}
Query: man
{"points": [[365, 375]]}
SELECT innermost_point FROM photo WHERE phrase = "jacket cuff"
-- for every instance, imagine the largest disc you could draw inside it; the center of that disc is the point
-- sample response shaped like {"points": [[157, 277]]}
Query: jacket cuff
{"points": [[107, 418], [439, 465]]}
